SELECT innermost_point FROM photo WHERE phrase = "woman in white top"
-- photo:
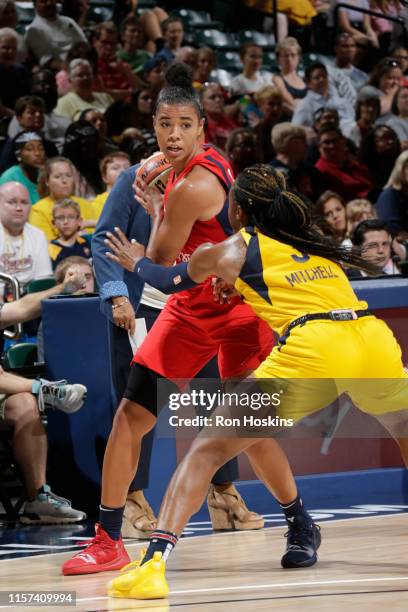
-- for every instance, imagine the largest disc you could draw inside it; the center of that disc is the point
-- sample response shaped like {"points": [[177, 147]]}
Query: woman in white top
{"points": [[252, 78]]}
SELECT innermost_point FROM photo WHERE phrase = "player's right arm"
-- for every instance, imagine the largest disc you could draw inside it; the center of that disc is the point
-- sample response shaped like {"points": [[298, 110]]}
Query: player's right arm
{"points": [[198, 197]]}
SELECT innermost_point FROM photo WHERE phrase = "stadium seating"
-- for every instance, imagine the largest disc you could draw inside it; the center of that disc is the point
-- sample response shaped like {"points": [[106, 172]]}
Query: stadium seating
{"points": [[259, 38], [216, 39]]}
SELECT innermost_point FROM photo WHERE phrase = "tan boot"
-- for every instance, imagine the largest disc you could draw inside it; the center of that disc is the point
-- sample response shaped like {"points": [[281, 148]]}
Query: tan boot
{"points": [[228, 511], [138, 518]]}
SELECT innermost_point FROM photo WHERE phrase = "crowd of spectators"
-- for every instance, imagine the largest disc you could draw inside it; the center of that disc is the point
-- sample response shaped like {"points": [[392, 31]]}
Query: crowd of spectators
{"points": [[78, 94]]}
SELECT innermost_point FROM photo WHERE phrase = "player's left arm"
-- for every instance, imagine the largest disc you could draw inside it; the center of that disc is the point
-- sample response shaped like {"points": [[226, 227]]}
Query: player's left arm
{"points": [[224, 260]]}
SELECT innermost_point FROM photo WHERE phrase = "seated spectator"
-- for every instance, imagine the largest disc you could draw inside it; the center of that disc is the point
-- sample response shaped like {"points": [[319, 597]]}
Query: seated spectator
{"points": [[66, 218], [29, 117], [98, 120], [81, 138], [358, 210], [368, 110], [15, 80], [82, 96], [345, 176], [392, 203], [384, 82], [378, 152], [252, 78], [29, 112], [150, 20], [111, 168], [153, 74], [173, 34], [80, 50], [218, 125], [374, 240], [330, 216], [358, 24], [270, 102], [323, 116], [132, 142], [399, 119], [291, 86], [242, 149], [22, 403], [49, 35], [289, 143], [57, 182], [28, 148], [345, 49], [9, 19], [319, 96], [206, 63], [383, 27], [133, 41], [76, 267], [114, 76], [136, 114], [400, 53], [188, 55], [45, 87], [23, 247]]}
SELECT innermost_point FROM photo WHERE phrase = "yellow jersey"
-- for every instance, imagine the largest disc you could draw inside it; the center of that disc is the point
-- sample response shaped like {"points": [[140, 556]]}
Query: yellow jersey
{"points": [[282, 284]]}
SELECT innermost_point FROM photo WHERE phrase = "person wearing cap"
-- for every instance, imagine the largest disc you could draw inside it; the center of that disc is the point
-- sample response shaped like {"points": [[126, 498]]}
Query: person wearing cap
{"points": [[28, 148]]}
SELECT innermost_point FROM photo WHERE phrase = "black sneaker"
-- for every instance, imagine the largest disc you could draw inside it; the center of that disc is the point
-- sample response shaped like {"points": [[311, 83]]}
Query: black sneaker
{"points": [[303, 540]]}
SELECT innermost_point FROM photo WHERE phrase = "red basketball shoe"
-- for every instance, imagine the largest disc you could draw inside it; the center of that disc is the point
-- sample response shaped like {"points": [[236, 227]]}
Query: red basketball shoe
{"points": [[101, 555]]}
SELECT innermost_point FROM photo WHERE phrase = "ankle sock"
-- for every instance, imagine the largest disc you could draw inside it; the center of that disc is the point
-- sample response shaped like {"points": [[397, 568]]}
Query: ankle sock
{"points": [[294, 510], [110, 519], [160, 541], [35, 387]]}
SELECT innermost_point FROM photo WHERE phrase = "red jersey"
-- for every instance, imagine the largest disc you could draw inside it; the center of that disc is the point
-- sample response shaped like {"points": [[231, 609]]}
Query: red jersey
{"points": [[217, 228]]}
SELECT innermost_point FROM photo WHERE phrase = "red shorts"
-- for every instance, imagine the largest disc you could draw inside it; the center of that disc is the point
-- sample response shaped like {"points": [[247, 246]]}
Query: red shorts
{"points": [[184, 339]]}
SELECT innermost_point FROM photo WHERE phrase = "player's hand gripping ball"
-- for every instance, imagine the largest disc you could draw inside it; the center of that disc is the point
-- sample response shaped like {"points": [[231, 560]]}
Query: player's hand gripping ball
{"points": [[150, 182]]}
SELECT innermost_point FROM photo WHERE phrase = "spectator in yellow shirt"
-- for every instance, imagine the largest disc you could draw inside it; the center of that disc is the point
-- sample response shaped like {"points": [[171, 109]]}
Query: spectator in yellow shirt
{"points": [[56, 183], [111, 167]]}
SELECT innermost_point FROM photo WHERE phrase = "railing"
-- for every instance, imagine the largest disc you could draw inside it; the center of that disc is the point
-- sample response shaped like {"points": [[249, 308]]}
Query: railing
{"points": [[15, 290], [341, 5]]}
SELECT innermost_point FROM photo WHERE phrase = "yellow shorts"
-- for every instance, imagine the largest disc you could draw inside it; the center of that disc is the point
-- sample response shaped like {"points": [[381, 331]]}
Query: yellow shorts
{"points": [[323, 359]]}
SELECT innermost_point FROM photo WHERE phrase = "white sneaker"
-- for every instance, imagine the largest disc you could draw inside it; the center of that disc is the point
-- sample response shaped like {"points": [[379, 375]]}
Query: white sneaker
{"points": [[60, 395], [50, 509]]}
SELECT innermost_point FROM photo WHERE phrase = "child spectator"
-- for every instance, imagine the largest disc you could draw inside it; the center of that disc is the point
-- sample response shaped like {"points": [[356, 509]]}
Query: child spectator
{"points": [[75, 267], [57, 182], [66, 218], [111, 167], [358, 210]]}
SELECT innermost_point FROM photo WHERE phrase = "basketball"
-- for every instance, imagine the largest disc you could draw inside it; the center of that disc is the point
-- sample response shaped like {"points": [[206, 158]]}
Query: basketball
{"points": [[154, 171]]}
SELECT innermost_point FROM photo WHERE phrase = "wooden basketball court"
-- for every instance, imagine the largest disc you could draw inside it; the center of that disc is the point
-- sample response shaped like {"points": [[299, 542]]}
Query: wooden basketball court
{"points": [[363, 566]]}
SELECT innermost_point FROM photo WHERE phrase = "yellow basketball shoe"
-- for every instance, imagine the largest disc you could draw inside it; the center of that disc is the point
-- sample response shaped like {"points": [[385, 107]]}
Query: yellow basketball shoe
{"points": [[137, 581]]}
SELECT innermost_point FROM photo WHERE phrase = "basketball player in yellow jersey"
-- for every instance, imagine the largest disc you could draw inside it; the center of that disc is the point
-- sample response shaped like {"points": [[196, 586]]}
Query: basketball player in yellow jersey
{"points": [[291, 277]]}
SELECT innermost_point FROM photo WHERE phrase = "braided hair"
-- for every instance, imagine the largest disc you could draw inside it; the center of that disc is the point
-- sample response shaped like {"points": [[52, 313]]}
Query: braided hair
{"points": [[260, 190]]}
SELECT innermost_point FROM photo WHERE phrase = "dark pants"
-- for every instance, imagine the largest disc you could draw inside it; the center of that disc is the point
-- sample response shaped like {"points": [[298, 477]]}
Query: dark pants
{"points": [[122, 356]]}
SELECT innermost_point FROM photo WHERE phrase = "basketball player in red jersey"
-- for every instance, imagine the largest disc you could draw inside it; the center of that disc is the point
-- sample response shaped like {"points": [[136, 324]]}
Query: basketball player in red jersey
{"points": [[190, 330]]}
